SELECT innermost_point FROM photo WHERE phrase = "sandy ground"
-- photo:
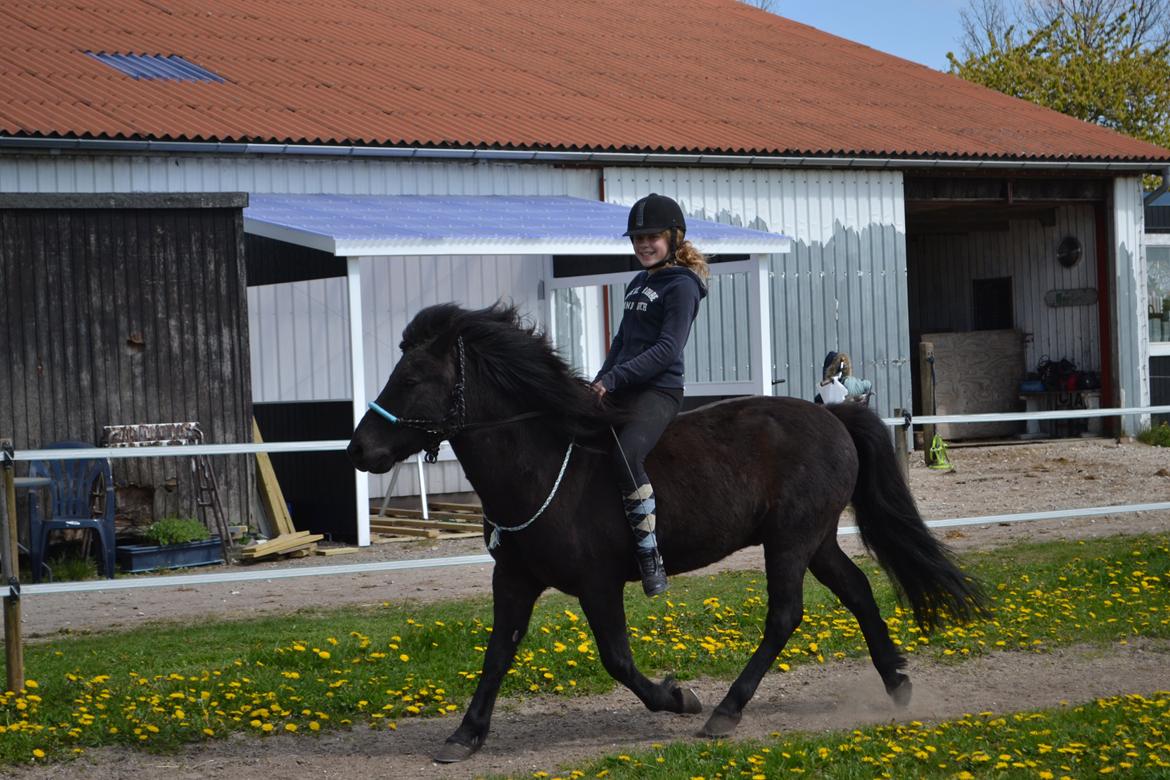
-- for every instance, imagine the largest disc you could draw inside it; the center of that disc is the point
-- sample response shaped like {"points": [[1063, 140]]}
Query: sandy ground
{"points": [[528, 736]]}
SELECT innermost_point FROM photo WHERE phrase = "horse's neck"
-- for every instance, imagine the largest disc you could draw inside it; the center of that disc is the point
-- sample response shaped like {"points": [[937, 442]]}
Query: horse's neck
{"points": [[511, 467]]}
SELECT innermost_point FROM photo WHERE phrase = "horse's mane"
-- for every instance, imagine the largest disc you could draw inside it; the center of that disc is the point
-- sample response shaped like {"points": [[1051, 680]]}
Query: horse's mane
{"points": [[508, 353]]}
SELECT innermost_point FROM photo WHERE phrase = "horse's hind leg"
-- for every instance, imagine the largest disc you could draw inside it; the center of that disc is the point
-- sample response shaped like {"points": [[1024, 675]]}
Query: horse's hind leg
{"points": [[785, 566], [514, 594], [606, 614], [832, 567]]}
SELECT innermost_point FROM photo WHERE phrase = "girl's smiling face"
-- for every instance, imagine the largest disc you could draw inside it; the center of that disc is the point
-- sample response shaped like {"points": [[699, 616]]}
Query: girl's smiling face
{"points": [[650, 250]]}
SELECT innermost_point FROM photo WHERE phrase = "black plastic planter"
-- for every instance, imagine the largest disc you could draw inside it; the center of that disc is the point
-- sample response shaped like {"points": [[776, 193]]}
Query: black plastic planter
{"points": [[133, 558]]}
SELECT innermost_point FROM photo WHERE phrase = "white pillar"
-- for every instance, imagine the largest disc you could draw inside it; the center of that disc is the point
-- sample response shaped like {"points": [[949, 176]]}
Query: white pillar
{"points": [[357, 363], [760, 324]]}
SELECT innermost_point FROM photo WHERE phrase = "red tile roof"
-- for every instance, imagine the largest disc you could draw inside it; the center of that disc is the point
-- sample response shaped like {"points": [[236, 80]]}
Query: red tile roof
{"points": [[713, 76]]}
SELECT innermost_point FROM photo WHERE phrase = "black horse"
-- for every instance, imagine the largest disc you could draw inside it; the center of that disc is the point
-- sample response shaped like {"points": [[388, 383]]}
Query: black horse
{"points": [[531, 438]]}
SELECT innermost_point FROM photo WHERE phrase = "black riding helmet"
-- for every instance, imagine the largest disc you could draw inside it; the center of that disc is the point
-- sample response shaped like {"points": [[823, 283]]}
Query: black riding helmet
{"points": [[655, 214]]}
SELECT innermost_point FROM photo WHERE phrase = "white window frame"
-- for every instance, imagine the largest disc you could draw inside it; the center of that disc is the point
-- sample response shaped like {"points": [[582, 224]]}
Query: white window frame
{"points": [[1157, 348]]}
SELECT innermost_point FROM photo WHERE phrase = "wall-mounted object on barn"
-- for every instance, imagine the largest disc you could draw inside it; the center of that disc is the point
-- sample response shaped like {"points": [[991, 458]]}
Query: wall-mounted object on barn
{"points": [[1081, 296]]}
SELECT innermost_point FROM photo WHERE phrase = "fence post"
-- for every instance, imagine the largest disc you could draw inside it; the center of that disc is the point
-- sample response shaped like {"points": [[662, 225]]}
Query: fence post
{"points": [[10, 569], [901, 449], [926, 392]]}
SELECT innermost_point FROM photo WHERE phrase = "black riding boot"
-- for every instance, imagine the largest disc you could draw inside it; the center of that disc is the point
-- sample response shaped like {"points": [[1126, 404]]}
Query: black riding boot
{"points": [[653, 572], [639, 507]]}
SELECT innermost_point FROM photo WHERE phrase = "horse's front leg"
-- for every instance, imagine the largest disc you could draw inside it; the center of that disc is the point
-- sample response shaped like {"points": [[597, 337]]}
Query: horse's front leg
{"points": [[514, 594], [606, 614]]}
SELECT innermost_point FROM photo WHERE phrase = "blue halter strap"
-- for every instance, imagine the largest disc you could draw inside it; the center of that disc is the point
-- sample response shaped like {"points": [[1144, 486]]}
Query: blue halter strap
{"points": [[375, 408]]}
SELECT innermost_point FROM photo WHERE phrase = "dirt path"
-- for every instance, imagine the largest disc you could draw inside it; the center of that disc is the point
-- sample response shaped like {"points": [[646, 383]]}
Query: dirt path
{"points": [[550, 733]]}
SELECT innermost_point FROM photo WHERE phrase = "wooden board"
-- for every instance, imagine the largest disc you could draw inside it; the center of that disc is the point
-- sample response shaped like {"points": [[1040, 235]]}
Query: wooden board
{"points": [[433, 514], [281, 544], [978, 371], [270, 493], [441, 525]]}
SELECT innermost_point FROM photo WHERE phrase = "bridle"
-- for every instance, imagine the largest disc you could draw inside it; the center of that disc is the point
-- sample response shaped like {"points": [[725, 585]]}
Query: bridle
{"points": [[454, 421]]}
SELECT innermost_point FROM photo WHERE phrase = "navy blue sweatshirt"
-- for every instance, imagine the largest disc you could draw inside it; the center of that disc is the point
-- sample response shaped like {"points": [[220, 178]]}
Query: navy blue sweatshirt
{"points": [[648, 347]]}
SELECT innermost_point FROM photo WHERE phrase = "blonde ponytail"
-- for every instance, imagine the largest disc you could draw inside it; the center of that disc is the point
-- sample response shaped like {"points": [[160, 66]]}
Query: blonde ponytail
{"points": [[687, 255]]}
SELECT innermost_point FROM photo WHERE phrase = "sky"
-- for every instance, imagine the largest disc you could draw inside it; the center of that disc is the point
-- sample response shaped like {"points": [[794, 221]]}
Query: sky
{"points": [[919, 30]]}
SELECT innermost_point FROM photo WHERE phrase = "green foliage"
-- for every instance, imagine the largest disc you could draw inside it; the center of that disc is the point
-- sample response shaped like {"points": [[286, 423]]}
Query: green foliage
{"points": [[1158, 436], [176, 530], [1108, 78]]}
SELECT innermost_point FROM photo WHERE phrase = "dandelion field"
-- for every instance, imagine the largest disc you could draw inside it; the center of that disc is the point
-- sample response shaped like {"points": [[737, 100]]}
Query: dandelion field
{"points": [[162, 686], [1122, 735]]}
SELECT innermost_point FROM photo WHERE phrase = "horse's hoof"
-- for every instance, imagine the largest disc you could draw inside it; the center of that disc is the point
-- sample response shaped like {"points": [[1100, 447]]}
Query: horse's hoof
{"points": [[901, 692], [720, 725], [452, 752], [688, 702]]}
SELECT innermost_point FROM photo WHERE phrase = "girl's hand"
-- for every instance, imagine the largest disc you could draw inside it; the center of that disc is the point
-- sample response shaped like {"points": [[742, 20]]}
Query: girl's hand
{"points": [[599, 389]]}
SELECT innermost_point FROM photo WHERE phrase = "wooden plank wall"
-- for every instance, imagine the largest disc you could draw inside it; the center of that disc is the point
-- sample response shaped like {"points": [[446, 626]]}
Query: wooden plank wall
{"points": [[124, 314]]}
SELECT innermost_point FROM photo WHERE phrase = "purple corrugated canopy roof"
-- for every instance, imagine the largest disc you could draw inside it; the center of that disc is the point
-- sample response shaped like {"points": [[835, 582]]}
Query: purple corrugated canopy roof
{"points": [[376, 225]]}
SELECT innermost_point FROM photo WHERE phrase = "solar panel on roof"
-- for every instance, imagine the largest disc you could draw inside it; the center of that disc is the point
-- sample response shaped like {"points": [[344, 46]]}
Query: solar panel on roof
{"points": [[169, 67]]}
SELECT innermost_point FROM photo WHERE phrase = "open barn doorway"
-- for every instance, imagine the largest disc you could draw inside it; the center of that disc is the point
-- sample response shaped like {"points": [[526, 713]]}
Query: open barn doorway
{"points": [[1007, 279]]}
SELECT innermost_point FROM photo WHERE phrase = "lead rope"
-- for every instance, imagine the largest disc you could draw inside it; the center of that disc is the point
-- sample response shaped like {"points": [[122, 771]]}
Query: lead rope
{"points": [[494, 541]]}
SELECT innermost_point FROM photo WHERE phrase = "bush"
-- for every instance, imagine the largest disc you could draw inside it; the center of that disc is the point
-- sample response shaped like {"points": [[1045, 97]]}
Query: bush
{"points": [[1158, 436], [176, 530]]}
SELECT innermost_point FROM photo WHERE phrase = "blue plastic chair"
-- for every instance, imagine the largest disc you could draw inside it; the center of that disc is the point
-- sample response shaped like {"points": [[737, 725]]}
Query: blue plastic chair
{"points": [[71, 504]]}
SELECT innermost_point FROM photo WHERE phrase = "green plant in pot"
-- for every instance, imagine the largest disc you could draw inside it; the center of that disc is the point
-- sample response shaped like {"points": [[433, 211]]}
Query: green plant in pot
{"points": [[176, 530], [171, 543]]}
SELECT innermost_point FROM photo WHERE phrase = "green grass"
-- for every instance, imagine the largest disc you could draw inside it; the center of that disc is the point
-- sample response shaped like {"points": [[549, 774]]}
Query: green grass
{"points": [[1126, 735], [161, 686], [1158, 436]]}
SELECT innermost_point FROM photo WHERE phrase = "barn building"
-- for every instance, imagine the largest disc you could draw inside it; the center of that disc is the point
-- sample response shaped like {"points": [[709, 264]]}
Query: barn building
{"points": [[914, 206]]}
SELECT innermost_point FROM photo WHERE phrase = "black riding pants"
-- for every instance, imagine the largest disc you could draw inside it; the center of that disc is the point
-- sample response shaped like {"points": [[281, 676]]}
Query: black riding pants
{"points": [[650, 410]]}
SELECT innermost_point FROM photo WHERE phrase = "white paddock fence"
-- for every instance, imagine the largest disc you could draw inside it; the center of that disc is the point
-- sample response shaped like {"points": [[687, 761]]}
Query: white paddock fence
{"points": [[175, 581]]}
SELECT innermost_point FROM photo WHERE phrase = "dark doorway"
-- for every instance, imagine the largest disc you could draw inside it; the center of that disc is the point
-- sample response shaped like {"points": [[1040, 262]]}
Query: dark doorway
{"points": [[992, 303]]}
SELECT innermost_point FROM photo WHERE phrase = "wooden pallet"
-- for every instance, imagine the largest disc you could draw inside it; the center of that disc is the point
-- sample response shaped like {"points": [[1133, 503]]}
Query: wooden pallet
{"points": [[446, 521]]}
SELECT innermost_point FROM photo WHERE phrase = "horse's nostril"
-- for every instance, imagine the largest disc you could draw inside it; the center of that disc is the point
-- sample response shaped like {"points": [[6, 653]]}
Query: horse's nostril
{"points": [[354, 451]]}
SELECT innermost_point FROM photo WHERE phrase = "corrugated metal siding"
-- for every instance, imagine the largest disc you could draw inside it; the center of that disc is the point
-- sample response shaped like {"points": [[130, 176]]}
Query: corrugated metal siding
{"points": [[234, 173], [1133, 346], [843, 287], [943, 267]]}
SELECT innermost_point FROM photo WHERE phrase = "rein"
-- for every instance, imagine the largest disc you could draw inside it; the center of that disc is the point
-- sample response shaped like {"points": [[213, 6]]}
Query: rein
{"points": [[494, 541]]}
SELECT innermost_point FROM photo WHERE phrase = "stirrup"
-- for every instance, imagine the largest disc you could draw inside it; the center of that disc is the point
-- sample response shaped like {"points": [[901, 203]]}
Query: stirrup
{"points": [[653, 572]]}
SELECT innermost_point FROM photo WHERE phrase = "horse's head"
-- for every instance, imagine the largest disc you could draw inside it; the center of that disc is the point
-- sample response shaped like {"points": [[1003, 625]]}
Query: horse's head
{"points": [[420, 405]]}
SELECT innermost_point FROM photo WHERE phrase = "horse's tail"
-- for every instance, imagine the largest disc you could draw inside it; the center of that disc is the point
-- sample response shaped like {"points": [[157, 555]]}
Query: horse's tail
{"points": [[921, 568]]}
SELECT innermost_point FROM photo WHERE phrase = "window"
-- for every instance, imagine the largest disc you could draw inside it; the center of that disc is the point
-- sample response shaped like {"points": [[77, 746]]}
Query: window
{"points": [[1158, 290], [992, 303]]}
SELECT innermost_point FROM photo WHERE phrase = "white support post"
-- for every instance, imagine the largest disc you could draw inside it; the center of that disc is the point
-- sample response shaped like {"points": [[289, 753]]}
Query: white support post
{"points": [[357, 363], [760, 324]]}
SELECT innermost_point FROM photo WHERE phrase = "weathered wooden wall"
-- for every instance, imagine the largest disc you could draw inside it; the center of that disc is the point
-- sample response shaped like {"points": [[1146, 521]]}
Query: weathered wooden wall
{"points": [[128, 309]]}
